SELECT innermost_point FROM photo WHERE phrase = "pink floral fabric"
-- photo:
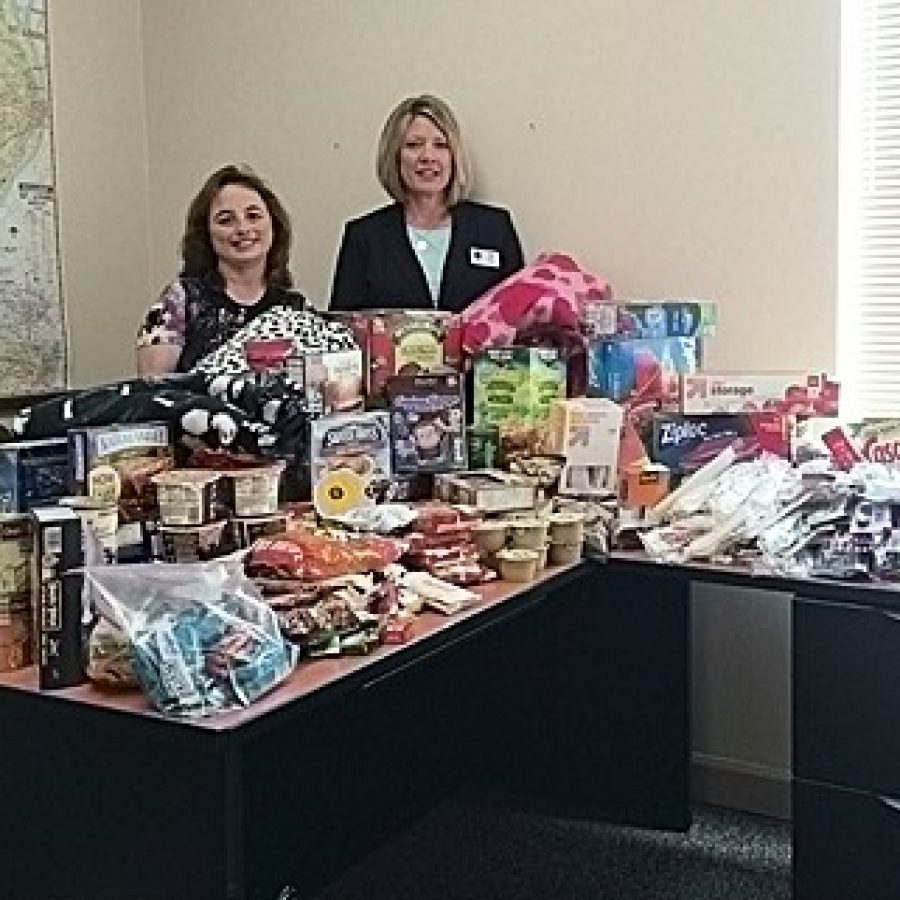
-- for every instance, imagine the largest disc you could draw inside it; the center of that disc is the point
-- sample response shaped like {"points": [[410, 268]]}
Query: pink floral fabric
{"points": [[551, 294]]}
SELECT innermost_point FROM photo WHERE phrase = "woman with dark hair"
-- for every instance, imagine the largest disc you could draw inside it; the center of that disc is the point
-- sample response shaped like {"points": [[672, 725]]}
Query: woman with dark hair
{"points": [[235, 253]]}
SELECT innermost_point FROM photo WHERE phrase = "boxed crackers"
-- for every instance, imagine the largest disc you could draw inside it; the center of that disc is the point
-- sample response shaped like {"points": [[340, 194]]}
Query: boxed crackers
{"points": [[643, 370], [348, 454], [427, 423], [487, 491], [651, 319], [791, 393], [57, 596], [16, 552], [116, 463], [587, 432], [514, 388], [686, 443], [33, 473], [404, 342]]}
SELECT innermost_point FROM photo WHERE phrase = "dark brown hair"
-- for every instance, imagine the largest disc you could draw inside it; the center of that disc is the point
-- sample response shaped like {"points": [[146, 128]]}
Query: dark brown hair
{"points": [[196, 249]]}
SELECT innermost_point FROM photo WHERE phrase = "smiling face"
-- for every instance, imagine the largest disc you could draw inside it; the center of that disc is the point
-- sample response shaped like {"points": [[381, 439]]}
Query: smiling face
{"points": [[240, 227], [426, 161]]}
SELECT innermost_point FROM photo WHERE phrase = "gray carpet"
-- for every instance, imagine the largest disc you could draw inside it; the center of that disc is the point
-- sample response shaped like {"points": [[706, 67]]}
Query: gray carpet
{"points": [[465, 850]]}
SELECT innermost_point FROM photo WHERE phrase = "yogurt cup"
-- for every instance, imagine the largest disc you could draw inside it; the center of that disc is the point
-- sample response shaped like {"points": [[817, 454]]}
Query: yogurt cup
{"points": [[528, 534], [519, 565], [566, 528], [490, 536], [565, 554]]}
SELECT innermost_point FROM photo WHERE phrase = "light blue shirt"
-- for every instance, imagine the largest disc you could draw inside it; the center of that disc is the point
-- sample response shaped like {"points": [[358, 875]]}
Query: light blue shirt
{"points": [[430, 246]]}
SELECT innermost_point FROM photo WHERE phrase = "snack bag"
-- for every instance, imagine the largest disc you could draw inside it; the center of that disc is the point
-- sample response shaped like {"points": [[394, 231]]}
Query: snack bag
{"points": [[201, 638]]}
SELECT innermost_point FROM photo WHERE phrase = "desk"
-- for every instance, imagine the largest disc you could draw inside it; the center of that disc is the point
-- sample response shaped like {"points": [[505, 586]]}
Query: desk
{"points": [[571, 694], [845, 722]]}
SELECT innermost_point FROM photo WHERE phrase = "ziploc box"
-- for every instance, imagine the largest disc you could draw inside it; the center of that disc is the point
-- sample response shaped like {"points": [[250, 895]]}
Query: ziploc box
{"points": [[644, 370], [587, 432], [514, 387], [686, 443], [404, 342], [33, 473], [651, 319], [57, 596], [428, 429], [116, 463], [793, 393]]}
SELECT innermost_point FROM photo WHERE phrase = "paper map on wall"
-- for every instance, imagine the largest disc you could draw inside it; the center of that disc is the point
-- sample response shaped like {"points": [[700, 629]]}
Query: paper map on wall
{"points": [[32, 317]]}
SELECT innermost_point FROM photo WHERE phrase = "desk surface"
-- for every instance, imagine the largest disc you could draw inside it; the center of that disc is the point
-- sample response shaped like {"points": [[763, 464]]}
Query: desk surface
{"points": [[872, 593], [429, 631]]}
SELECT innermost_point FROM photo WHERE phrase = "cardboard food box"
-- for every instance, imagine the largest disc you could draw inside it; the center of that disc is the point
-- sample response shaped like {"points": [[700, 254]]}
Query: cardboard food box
{"points": [[791, 393], [16, 552], [428, 429], [347, 454], [15, 640], [643, 370], [57, 596], [194, 543], [116, 463], [686, 443], [487, 491], [873, 440], [333, 382], [514, 388], [33, 473], [587, 432], [651, 319], [642, 486], [190, 496], [404, 342]]}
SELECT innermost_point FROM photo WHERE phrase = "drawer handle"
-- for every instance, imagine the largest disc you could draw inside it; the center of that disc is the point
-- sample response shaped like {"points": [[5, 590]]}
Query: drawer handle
{"points": [[893, 805]]}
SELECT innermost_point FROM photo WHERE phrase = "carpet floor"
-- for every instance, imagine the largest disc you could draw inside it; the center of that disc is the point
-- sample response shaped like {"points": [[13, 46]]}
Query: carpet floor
{"points": [[466, 850]]}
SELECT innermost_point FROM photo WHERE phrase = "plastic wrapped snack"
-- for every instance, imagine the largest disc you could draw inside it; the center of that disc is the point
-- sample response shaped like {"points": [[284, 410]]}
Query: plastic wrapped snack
{"points": [[109, 658], [201, 638]]}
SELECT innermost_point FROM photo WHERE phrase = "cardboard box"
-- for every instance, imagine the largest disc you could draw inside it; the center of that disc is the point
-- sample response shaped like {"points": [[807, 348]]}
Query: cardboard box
{"points": [[874, 440], [791, 393], [641, 371], [333, 382], [16, 552], [513, 390], [487, 491], [57, 596], [428, 430], [116, 463], [686, 443], [15, 640], [347, 454], [404, 342], [643, 486], [649, 319], [33, 473], [587, 432]]}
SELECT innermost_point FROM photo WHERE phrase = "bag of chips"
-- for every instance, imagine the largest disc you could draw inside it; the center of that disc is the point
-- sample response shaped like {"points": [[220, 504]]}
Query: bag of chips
{"points": [[201, 638]]}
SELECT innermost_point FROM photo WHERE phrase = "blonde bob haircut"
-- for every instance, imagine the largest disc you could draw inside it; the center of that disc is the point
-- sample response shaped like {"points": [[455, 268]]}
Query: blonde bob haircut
{"points": [[387, 162]]}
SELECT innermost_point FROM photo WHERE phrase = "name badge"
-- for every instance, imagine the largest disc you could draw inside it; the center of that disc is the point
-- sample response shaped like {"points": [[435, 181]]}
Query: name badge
{"points": [[489, 259]]}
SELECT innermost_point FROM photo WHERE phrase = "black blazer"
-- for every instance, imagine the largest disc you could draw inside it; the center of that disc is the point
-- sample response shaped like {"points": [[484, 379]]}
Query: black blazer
{"points": [[377, 267]]}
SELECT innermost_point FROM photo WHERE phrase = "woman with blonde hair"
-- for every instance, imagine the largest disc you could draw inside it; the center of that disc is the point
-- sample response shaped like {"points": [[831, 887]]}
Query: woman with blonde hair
{"points": [[432, 248]]}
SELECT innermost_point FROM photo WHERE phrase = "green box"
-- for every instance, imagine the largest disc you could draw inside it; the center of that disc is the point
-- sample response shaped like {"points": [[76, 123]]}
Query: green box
{"points": [[514, 386]]}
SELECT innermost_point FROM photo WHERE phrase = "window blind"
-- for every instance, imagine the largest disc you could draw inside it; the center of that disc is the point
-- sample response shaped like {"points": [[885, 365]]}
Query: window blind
{"points": [[869, 208]]}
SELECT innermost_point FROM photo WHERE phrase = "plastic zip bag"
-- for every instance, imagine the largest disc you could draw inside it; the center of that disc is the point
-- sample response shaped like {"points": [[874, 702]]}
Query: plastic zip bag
{"points": [[201, 638]]}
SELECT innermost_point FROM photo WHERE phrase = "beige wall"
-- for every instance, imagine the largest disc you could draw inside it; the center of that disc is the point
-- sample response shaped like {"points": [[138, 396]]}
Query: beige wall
{"points": [[101, 163], [681, 148]]}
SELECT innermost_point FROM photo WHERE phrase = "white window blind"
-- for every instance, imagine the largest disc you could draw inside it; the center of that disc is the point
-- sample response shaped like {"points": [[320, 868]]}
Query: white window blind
{"points": [[868, 338]]}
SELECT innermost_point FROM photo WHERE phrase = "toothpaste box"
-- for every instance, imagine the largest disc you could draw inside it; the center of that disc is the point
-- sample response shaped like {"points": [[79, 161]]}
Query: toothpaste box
{"points": [[651, 319], [33, 473], [641, 371], [791, 393], [684, 444]]}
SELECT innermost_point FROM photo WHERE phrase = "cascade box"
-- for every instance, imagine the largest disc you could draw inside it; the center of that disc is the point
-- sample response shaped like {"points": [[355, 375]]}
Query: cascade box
{"points": [[57, 596], [404, 342], [428, 431], [641, 371], [348, 455], [872, 440], [587, 432], [791, 393], [33, 473], [333, 381], [649, 319], [116, 464], [514, 388], [686, 443]]}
